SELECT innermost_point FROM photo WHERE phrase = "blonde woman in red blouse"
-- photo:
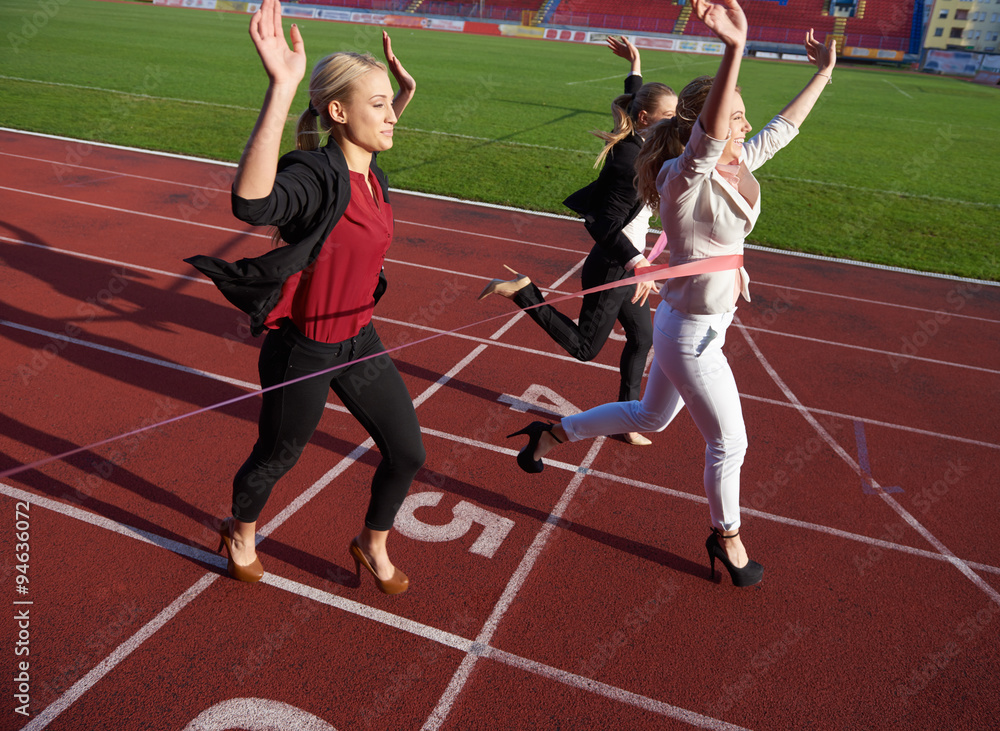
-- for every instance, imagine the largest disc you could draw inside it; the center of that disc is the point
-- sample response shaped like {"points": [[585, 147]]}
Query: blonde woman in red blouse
{"points": [[314, 294]]}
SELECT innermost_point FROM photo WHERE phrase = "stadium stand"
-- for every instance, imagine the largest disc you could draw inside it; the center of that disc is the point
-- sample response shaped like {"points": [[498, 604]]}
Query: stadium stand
{"points": [[773, 22], [394, 6], [658, 16], [885, 24], [880, 24], [893, 25]]}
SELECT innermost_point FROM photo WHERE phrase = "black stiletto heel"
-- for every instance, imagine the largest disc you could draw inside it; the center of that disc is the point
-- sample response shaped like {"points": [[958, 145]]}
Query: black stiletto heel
{"points": [[747, 575], [525, 458]]}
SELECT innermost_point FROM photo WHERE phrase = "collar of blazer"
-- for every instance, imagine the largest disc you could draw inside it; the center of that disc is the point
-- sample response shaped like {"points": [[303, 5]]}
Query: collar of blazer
{"points": [[748, 206]]}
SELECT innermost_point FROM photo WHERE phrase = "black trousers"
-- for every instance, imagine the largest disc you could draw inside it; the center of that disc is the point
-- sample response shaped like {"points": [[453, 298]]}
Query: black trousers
{"points": [[598, 313], [372, 391]]}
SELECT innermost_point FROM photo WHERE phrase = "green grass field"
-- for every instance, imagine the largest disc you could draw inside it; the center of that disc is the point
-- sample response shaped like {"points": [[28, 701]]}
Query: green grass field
{"points": [[891, 167]]}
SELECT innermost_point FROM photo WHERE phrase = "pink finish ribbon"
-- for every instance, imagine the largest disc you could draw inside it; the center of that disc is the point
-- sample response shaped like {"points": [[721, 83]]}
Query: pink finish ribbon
{"points": [[645, 274], [658, 247]]}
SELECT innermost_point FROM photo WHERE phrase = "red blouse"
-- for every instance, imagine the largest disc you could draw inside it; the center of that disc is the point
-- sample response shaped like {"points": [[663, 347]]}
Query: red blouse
{"points": [[332, 299]]}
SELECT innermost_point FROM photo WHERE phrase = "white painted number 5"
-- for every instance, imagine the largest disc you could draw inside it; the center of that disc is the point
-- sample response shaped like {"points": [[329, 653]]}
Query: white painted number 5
{"points": [[495, 527]]}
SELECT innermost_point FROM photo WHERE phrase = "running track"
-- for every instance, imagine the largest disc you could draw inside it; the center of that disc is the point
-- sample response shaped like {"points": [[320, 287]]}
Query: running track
{"points": [[574, 599]]}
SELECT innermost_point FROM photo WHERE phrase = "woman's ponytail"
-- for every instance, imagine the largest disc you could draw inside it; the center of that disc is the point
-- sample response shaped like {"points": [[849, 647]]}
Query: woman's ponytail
{"points": [[662, 143], [624, 126], [626, 110], [307, 131]]}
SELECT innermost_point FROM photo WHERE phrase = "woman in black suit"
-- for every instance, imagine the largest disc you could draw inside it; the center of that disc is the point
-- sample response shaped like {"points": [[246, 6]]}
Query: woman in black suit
{"points": [[617, 220]]}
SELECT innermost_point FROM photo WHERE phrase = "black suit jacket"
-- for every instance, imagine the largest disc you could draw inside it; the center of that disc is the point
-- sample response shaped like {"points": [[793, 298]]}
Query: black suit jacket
{"points": [[310, 194], [610, 202]]}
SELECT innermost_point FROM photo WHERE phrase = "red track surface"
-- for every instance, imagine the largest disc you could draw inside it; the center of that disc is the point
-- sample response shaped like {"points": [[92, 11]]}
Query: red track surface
{"points": [[878, 610]]}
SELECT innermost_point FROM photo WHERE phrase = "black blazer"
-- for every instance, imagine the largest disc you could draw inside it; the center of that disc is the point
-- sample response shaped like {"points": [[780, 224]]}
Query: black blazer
{"points": [[310, 194], [610, 202]]}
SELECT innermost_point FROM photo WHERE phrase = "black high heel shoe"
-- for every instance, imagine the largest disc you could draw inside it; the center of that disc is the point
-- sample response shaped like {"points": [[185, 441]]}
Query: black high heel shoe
{"points": [[747, 575], [525, 458]]}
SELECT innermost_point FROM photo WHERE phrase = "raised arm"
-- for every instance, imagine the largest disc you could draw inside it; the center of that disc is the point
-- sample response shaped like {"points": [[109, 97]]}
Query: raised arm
{"points": [[727, 21], [622, 46], [407, 85], [824, 59], [285, 68]]}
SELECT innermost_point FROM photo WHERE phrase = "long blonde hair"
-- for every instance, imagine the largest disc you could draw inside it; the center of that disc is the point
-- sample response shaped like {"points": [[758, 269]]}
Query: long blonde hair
{"points": [[625, 110], [667, 139]]}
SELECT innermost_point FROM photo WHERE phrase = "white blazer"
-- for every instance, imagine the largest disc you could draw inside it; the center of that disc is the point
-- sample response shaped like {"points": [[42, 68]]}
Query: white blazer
{"points": [[703, 215]]}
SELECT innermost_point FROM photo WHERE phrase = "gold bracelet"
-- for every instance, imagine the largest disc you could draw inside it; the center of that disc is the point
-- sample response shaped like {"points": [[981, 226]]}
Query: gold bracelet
{"points": [[829, 79]]}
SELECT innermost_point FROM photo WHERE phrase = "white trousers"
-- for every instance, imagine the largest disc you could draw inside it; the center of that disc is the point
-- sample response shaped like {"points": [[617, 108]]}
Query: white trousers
{"points": [[689, 368]]}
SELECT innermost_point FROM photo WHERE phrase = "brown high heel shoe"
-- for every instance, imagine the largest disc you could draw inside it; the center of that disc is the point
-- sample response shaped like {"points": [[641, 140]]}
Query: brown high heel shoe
{"points": [[505, 287], [248, 574], [396, 585]]}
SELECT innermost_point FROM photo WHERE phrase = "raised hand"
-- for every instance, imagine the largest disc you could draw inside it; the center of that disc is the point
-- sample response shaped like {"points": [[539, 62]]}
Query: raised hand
{"points": [[407, 84], [724, 18], [822, 57], [622, 46], [283, 65]]}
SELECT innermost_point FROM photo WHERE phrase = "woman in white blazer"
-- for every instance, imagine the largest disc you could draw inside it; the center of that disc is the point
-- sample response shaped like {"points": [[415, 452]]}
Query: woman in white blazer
{"points": [[698, 168]]}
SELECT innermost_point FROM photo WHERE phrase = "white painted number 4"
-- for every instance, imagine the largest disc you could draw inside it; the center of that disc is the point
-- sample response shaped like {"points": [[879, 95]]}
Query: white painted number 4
{"points": [[495, 527]]}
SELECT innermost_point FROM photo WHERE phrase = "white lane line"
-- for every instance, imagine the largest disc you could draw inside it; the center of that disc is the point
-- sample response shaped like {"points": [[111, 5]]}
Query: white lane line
{"points": [[252, 231], [123, 650], [772, 517], [129, 93], [120, 174], [544, 214], [908, 96], [480, 278], [94, 676], [133, 356], [456, 369], [609, 691], [493, 140], [433, 634], [516, 348], [508, 346], [962, 566], [105, 260], [506, 239], [171, 219], [461, 676], [820, 183], [898, 193], [464, 670], [551, 289], [876, 422], [97, 673], [889, 353], [520, 314], [880, 303]]}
